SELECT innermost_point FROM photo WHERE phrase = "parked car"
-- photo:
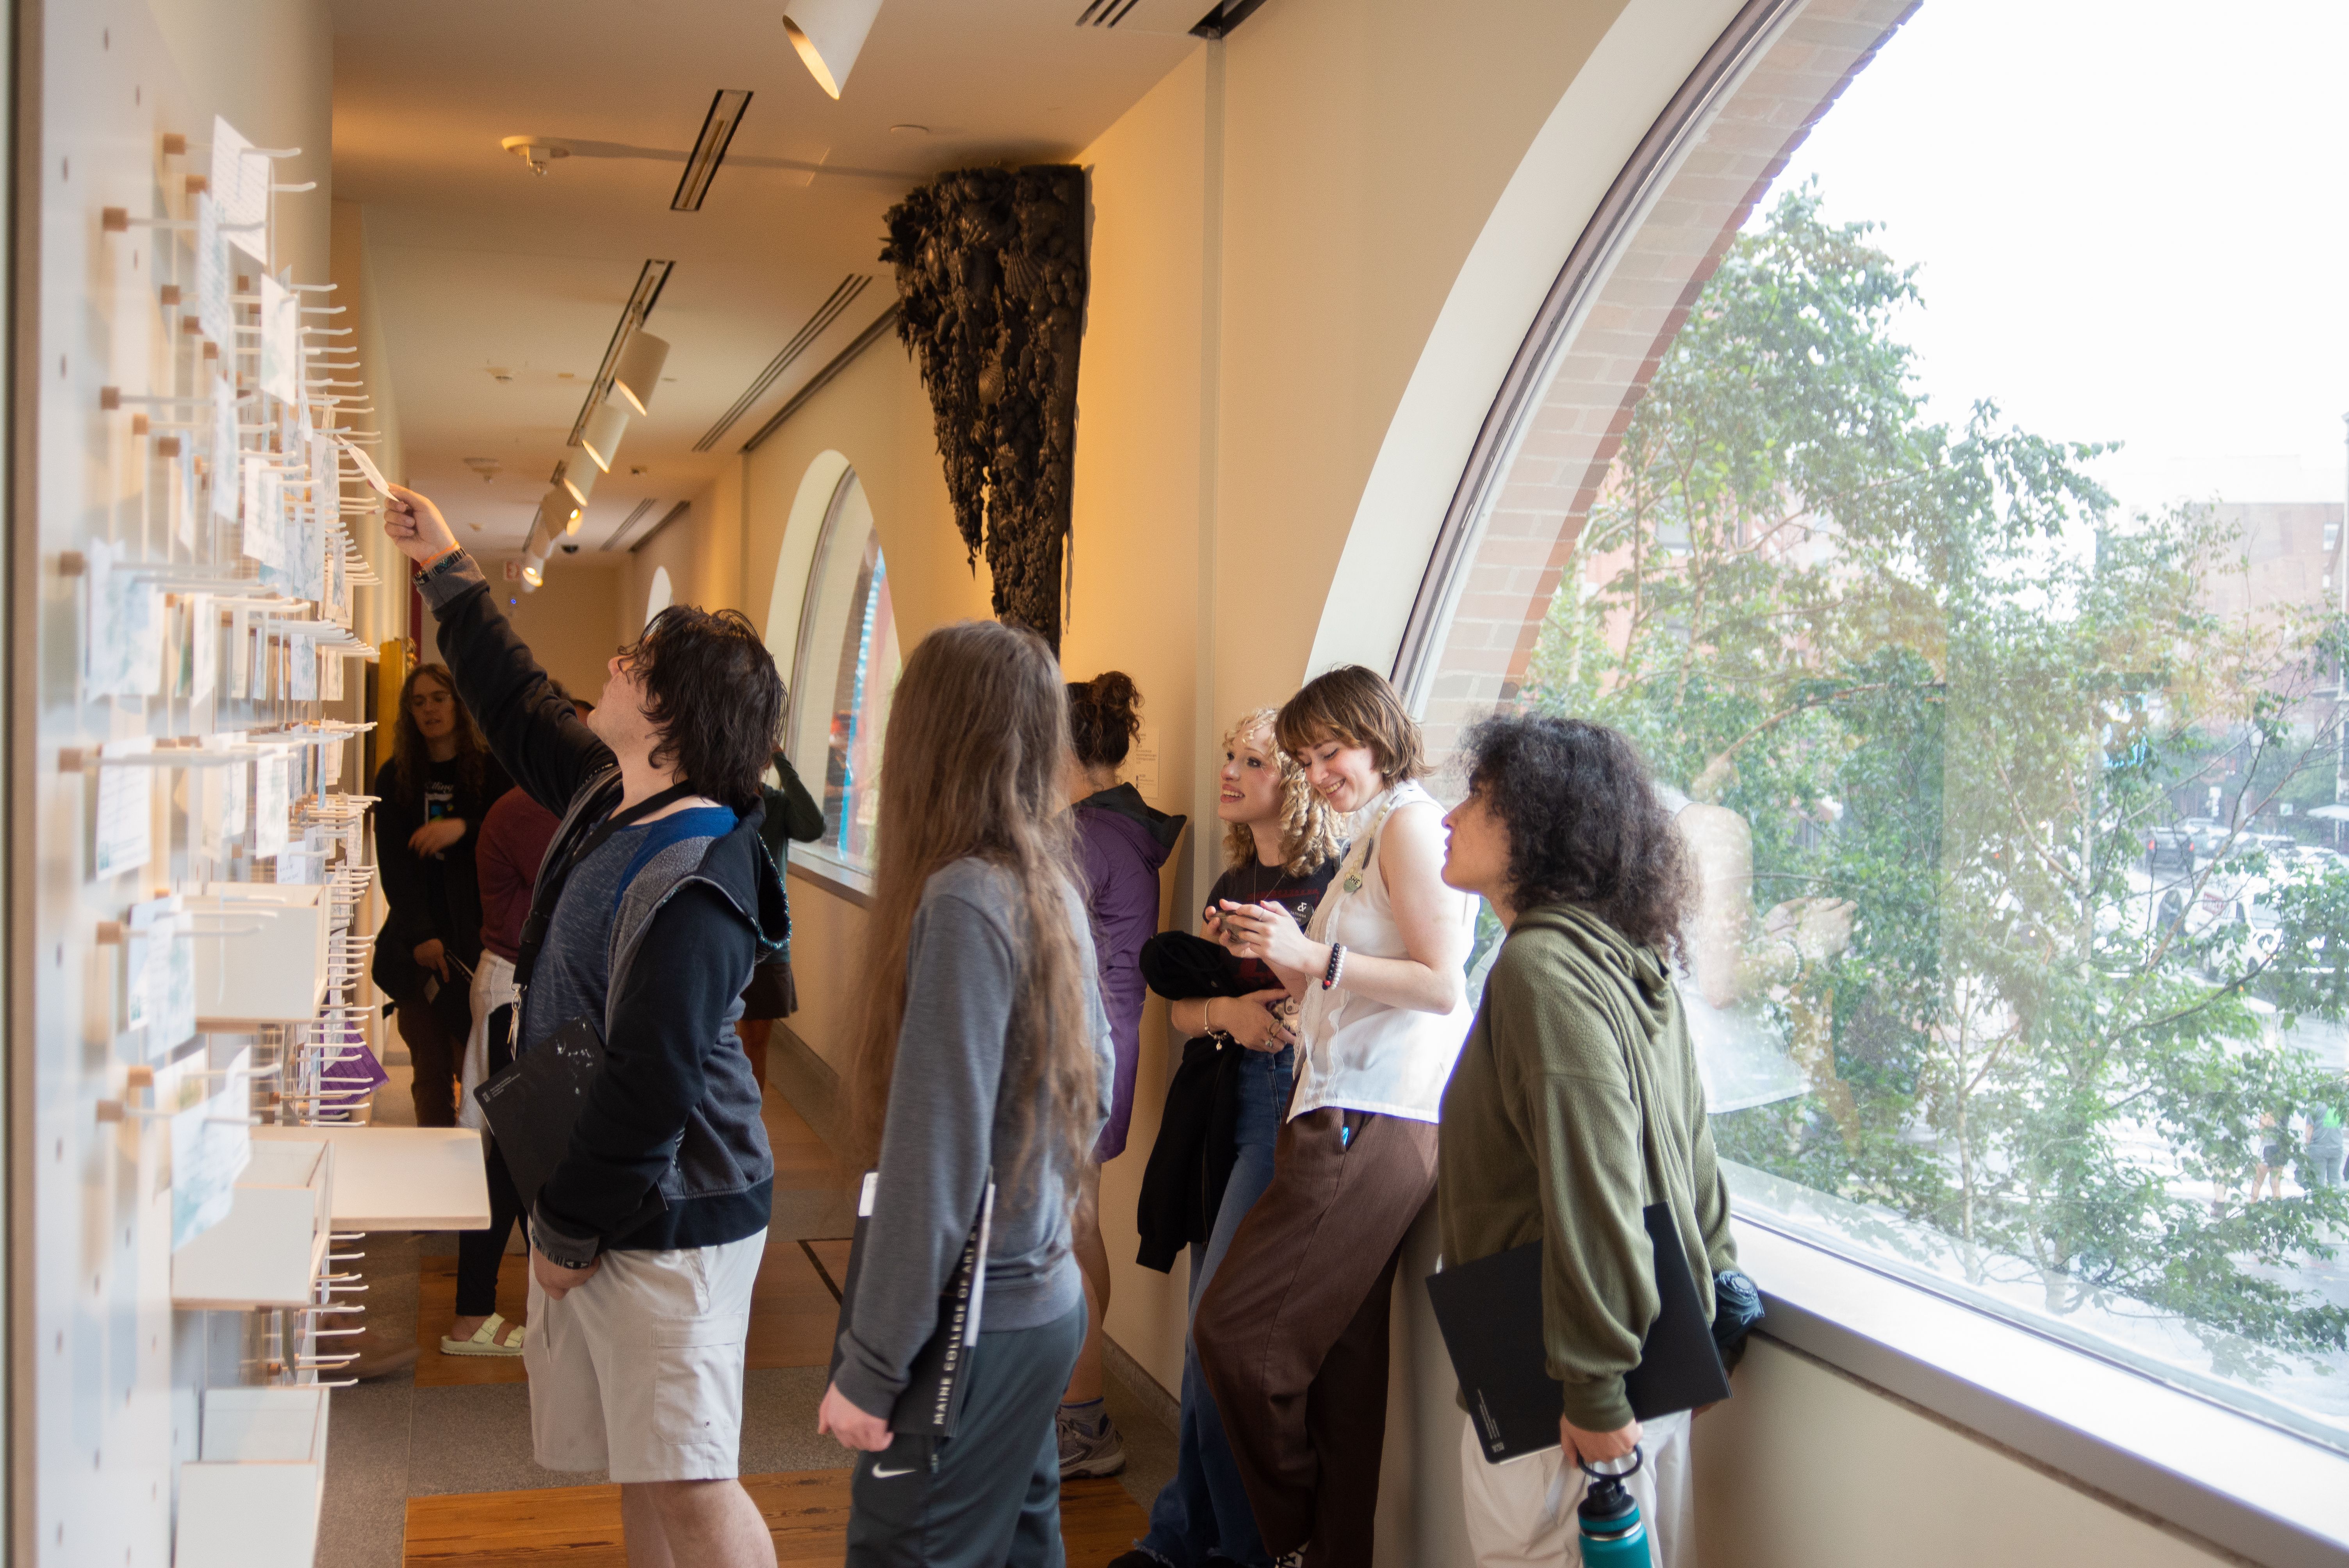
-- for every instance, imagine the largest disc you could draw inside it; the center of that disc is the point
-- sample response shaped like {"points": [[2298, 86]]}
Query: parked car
{"points": [[2169, 851]]}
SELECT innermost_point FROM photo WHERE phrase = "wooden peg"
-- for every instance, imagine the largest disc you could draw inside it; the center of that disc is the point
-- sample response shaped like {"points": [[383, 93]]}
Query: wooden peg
{"points": [[115, 219], [139, 1078], [168, 446], [110, 1110], [137, 424], [169, 294], [110, 932], [174, 144], [211, 350], [198, 184], [110, 398], [71, 563], [191, 326]]}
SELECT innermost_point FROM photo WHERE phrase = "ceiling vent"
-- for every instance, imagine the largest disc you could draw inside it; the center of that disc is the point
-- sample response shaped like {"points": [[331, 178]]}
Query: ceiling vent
{"points": [[1167, 16], [642, 510], [801, 341], [718, 127]]}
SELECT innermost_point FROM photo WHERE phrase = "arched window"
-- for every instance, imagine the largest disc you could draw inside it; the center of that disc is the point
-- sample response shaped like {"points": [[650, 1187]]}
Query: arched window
{"points": [[844, 672], [2010, 763], [662, 596]]}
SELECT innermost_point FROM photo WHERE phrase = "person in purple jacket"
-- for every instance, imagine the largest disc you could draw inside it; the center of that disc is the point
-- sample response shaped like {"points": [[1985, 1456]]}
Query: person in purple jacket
{"points": [[1123, 841]]}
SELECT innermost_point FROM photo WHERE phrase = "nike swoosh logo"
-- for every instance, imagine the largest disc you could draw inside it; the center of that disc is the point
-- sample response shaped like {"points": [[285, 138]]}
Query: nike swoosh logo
{"points": [[880, 1474]]}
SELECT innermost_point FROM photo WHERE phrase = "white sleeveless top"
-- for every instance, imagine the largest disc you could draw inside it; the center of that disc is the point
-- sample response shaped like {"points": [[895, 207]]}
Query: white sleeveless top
{"points": [[1354, 1052]]}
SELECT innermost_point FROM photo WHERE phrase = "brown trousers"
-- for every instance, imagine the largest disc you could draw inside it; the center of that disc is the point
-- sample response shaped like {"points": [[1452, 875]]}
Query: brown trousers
{"points": [[1292, 1331]]}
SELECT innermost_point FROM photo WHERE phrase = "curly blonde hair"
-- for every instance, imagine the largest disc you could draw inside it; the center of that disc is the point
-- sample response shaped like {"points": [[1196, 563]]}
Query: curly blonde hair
{"points": [[1308, 828]]}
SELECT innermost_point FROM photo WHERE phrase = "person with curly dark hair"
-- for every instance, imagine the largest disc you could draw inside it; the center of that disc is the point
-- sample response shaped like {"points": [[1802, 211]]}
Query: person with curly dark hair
{"points": [[1573, 1105], [654, 904]]}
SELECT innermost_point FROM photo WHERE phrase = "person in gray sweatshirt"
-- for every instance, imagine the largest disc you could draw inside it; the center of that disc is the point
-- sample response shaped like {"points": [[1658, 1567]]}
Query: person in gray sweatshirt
{"points": [[985, 1054]]}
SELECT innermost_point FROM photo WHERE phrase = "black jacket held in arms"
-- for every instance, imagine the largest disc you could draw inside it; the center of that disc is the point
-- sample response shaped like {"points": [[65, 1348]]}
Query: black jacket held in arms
{"points": [[676, 1107]]}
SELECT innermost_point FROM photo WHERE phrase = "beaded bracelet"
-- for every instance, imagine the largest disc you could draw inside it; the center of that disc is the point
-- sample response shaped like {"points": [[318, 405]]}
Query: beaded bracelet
{"points": [[1336, 966]]}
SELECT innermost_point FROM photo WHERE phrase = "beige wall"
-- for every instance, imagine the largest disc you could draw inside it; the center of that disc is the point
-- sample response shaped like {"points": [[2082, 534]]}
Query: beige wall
{"points": [[1807, 1465], [567, 623]]}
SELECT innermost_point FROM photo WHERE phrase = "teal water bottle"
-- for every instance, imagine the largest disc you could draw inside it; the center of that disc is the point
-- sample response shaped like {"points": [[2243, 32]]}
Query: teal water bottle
{"points": [[1613, 1533]]}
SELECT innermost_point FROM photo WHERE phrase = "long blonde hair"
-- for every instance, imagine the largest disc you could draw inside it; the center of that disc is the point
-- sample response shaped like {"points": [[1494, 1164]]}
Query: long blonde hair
{"points": [[1308, 828], [978, 735]]}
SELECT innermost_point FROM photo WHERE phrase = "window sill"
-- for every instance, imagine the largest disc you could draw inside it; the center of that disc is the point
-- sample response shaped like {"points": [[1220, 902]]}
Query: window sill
{"points": [[848, 884], [2237, 1483]]}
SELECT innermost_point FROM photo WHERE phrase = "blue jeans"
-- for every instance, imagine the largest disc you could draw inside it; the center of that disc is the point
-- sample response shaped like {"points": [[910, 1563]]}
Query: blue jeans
{"points": [[1204, 1511]]}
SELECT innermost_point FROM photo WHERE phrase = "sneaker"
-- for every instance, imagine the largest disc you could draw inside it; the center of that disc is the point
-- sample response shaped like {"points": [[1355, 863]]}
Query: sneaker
{"points": [[1089, 1446], [1291, 1559]]}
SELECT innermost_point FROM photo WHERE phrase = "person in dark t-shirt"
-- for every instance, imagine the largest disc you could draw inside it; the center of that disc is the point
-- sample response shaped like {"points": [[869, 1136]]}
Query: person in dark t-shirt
{"points": [[430, 798]]}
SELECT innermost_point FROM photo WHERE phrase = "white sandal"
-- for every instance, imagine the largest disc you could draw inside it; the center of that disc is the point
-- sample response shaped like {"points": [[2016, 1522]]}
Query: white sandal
{"points": [[485, 1340]]}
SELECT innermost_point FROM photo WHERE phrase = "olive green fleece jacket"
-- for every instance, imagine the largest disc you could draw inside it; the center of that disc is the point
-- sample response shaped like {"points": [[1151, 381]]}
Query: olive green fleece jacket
{"points": [[1575, 1103]]}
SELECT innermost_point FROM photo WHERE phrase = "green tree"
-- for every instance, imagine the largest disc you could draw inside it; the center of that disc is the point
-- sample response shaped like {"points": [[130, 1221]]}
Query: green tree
{"points": [[1888, 643]]}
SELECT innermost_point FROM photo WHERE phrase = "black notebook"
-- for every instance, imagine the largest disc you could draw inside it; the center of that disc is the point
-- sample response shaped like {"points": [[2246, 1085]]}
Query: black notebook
{"points": [[532, 1104], [1491, 1314], [939, 1378]]}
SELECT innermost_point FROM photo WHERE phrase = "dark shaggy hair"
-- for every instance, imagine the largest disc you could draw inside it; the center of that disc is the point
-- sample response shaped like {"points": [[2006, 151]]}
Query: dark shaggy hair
{"points": [[1355, 706], [412, 758], [1585, 825], [1104, 716], [711, 690]]}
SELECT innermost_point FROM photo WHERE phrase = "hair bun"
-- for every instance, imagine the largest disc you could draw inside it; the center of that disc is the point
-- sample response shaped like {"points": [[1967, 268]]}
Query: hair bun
{"points": [[1104, 716]]}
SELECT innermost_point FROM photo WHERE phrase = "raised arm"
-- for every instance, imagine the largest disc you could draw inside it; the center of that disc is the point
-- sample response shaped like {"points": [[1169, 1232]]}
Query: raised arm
{"points": [[538, 736]]}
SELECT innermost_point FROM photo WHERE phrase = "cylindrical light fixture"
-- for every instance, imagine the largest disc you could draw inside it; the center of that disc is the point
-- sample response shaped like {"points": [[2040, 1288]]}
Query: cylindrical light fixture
{"points": [[533, 574], [558, 513], [605, 425], [638, 375], [828, 33], [579, 474]]}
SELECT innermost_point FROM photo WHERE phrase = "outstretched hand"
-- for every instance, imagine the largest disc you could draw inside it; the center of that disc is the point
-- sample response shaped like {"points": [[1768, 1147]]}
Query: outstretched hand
{"points": [[415, 526]]}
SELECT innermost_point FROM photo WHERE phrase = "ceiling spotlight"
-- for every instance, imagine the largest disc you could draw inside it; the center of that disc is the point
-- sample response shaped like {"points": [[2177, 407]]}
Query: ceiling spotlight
{"points": [[533, 574], [828, 33], [709, 149], [605, 425], [558, 513], [538, 151], [578, 474], [638, 375]]}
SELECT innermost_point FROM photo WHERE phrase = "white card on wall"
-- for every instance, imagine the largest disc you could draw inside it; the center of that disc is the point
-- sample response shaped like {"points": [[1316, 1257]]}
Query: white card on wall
{"points": [[302, 656], [124, 835], [1141, 768], [228, 475], [239, 656], [123, 651], [271, 785], [240, 182], [210, 1147], [161, 990], [212, 311], [204, 646], [281, 341]]}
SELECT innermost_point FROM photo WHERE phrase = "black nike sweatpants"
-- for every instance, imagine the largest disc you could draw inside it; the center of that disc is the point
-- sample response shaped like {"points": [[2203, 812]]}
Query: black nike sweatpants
{"points": [[989, 1496]]}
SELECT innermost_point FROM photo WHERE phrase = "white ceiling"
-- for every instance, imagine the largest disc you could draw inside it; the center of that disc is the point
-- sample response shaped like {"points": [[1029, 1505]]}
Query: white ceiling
{"points": [[480, 266]]}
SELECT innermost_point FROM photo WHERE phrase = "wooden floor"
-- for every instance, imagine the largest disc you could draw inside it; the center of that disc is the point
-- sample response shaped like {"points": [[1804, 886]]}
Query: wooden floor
{"points": [[579, 1527], [794, 1307]]}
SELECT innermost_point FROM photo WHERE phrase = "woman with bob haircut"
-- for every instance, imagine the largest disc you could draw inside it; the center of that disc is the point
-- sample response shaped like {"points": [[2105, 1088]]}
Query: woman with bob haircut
{"points": [[984, 1055], [1281, 845], [1576, 1104], [1292, 1333]]}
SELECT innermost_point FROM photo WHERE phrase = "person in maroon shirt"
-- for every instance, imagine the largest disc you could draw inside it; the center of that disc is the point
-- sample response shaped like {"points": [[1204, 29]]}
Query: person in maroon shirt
{"points": [[513, 841]]}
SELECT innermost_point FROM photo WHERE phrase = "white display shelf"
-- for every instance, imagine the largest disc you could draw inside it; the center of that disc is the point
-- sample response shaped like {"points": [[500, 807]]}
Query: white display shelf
{"points": [[261, 953], [253, 1500], [401, 1178], [271, 1247]]}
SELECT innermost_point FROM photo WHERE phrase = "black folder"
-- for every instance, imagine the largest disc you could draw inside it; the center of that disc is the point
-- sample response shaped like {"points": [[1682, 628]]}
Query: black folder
{"points": [[1491, 1314], [532, 1104], [939, 1379]]}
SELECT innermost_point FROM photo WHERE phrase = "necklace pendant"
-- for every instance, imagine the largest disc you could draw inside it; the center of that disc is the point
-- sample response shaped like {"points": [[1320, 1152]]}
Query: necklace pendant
{"points": [[1354, 882]]}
